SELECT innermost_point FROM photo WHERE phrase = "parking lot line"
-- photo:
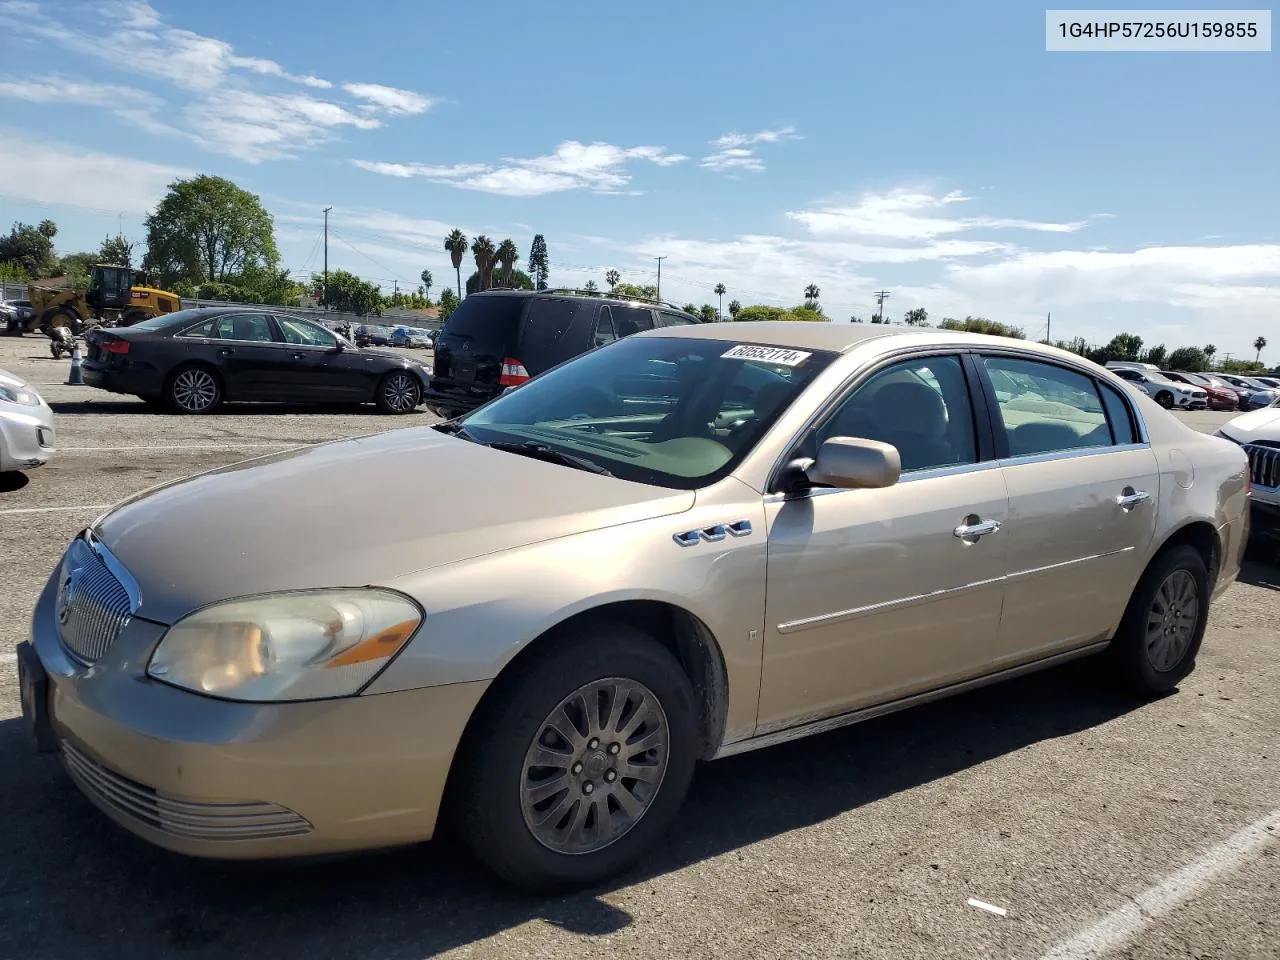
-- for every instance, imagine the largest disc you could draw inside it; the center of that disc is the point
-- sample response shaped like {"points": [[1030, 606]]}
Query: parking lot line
{"points": [[85, 506], [8, 658], [1119, 926]]}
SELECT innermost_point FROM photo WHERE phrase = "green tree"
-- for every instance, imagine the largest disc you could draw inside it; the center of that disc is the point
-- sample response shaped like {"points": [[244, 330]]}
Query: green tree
{"points": [[30, 249], [1123, 346], [758, 312], [519, 281], [1188, 359], [983, 325], [347, 292], [539, 264], [448, 303], [811, 293], [590, 286], [1157, 355], [734, 309], [1259, 345], [1209, 351], [707, 313], [690, 308], [507, 255], [484, 252], [611, 277], [208, 229], [642, 292], [426, 284], [876, 318], [720, 292], [456, 244], [919, 317], [11, 272], [48, 229], [1076, 345], [854, 318], [76, 267], [116, 250]]}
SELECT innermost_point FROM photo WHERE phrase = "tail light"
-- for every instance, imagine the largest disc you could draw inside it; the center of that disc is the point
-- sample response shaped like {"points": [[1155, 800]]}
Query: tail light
{"points": [[513, 372], [115, 346]]}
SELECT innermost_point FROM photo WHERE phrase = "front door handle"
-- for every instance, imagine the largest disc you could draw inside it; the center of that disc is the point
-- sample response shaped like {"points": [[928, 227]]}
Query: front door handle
{"points": [[974, 529], [226, 352], [1130, 498], [297, 356]]}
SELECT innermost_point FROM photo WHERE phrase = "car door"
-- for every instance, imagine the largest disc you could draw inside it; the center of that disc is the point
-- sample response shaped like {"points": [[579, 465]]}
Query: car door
{"points": [[246, 354], [877, 594], [1083, 490], [319, 371]]}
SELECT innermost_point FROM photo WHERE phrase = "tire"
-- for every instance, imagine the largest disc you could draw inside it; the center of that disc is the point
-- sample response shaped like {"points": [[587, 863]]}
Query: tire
{"points": [[399, 392], [1165, 399], [495, 810], [1152, 664], [193, 389]]}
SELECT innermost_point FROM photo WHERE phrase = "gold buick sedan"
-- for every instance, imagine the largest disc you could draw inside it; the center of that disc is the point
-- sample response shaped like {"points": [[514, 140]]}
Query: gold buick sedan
{"points": [[690, 543]]}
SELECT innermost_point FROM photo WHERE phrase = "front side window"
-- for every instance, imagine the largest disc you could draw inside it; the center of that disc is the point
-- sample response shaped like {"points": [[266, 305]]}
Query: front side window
{"points": [[1051, 408], [671, 412], [305, 334], [919, 406]]}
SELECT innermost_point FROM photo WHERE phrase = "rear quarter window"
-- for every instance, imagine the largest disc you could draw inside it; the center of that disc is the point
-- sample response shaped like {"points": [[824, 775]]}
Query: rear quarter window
{"points": [[489, 322]]}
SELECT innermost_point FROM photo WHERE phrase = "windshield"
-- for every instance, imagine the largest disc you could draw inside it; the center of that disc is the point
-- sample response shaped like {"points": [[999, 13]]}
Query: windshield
{"points": [[673, 412], [164, 321]]}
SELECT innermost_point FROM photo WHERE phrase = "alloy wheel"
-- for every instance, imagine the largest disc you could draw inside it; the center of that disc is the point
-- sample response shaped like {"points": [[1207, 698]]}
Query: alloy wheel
{"points": [[1172, 619], [195, 390], [595, 766], [401, 393]]}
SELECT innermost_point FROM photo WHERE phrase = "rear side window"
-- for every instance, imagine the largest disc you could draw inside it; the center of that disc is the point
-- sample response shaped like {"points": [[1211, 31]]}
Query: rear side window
{"points": [[249, 327], [604, 332], [1046, 408], [631, 320], [542, 335], [674, 319], [1118, 415], [488, 322]]}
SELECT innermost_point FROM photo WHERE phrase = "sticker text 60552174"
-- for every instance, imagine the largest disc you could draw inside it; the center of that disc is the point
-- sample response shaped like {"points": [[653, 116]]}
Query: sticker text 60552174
{"points": [[782, 356]]}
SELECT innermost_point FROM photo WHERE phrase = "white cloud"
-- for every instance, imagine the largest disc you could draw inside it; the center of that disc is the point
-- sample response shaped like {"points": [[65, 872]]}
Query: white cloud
{"points": [[737, 151], [909, 214], [44, 172], [56, 89], [598, 167], [227, 109], [389, 99]]}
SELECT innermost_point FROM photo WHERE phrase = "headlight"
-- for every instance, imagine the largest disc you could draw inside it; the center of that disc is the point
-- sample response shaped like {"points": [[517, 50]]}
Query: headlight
{"points": [[293, 646], [19, 395]]}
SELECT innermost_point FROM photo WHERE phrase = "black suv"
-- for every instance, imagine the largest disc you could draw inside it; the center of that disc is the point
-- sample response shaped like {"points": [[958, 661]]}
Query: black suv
{"points": [[500, 338]]}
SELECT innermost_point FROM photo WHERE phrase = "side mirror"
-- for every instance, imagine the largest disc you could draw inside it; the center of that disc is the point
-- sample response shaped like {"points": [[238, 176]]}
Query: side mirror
{"points": [[853, 463]]}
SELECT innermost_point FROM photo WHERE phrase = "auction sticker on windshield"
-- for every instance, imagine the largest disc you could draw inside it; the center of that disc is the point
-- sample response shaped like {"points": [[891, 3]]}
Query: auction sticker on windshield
{"points": [[781, 356]]}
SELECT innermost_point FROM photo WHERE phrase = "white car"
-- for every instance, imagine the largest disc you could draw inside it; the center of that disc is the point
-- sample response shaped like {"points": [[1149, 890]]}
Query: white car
{"points": [[1259, 433], [26, 425], [1170, 394]]}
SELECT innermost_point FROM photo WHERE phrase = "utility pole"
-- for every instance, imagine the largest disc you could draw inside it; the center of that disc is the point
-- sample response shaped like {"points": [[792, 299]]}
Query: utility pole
{"points": [[881, 297], [659, 259], [395, 295], [1048, 327], [324, 288]]}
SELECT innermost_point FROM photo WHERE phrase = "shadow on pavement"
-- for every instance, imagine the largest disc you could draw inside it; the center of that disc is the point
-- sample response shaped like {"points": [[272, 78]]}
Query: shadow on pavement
{"points": [[12, 481], [113, 407], [74, 885]]}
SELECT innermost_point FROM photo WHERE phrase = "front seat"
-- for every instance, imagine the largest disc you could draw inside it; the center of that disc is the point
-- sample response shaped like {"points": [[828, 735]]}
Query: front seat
{"points": [[913, 418]]}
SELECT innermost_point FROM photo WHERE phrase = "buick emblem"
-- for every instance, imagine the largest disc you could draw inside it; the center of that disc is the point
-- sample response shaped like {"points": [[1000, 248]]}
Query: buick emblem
{"points": [[66, 595]]}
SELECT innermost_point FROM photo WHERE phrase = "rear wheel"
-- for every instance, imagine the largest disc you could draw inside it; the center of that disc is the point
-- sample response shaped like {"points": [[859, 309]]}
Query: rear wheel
{"points": [[1163, 627], [579, 761], [399, 392], [193, 390], [1165, 399]]}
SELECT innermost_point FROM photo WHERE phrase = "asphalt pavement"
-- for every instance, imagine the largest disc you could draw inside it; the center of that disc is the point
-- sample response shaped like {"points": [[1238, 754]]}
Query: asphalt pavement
{"points": [[1079, 821]]}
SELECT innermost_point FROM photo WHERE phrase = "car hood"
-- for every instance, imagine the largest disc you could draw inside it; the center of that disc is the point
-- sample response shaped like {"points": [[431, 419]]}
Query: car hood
{"points": [[352, 513], [12, 379], [1261, 424]]}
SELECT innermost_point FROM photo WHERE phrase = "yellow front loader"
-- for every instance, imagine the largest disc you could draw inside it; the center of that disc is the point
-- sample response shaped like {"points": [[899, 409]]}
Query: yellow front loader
{"points": [[116, 296]]}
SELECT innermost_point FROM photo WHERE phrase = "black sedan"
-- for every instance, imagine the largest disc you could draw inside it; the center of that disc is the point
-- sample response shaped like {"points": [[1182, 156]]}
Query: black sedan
{"points": [[193, 360]]}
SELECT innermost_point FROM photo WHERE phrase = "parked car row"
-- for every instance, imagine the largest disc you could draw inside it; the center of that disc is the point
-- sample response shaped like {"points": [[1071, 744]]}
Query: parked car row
{"points": [[16, 315], [726, 537], [26, 425], [1198, 391]]}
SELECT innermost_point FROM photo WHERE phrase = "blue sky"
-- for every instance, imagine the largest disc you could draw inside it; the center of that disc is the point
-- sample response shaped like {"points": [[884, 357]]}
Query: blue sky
{"points": [[931, 149]]}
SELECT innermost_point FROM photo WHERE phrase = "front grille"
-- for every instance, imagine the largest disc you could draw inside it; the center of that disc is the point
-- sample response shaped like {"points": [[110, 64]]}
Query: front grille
{"points": [[1264, 464], [191, 819], [93, 605]]}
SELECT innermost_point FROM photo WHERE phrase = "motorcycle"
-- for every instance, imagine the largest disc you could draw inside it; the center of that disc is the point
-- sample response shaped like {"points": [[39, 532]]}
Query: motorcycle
{"points": [[61, 341]]}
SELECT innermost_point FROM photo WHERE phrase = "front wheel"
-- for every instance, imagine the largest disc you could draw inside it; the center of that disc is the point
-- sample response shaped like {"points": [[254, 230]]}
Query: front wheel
{"points": [[1165, 399], [193, 390], [579, 761], [1163, 627], [399, 392]]}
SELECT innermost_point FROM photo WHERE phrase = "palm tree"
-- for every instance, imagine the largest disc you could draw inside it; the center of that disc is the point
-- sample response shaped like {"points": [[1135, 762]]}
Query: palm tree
{"points": [[590, 286], [719, 292], [734, 308], [1209, 351], [811, 293], [426, 284], [507, 255], [48, 229], [611, 277], [456, 244], [1258, 345], [483, 249]]}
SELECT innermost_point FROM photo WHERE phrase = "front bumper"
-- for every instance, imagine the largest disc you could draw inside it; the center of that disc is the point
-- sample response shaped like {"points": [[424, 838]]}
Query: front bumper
{"points": [[214, 778], [27, 438]]}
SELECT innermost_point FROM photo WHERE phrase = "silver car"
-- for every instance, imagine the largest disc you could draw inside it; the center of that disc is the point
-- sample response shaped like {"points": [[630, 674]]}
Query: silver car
{"points": [[691, 543], [26, 425]]}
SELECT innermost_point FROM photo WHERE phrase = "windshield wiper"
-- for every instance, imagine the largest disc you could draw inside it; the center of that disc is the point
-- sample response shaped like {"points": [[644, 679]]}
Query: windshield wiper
{"points": [[453, 429], [540, 451]]}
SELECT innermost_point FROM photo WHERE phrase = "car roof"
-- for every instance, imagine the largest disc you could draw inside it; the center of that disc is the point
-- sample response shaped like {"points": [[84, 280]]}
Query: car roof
{"points": [[602, 296]]}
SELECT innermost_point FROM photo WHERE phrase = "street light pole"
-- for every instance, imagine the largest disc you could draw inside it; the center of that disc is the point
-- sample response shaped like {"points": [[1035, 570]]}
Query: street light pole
{"points": [[659, 259], [324, 288]]}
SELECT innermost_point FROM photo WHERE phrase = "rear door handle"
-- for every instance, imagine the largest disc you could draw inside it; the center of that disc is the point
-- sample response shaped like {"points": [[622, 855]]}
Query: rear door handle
{"points": [[974, 529], [297, 356], [226, 351], [1131, 498]]}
